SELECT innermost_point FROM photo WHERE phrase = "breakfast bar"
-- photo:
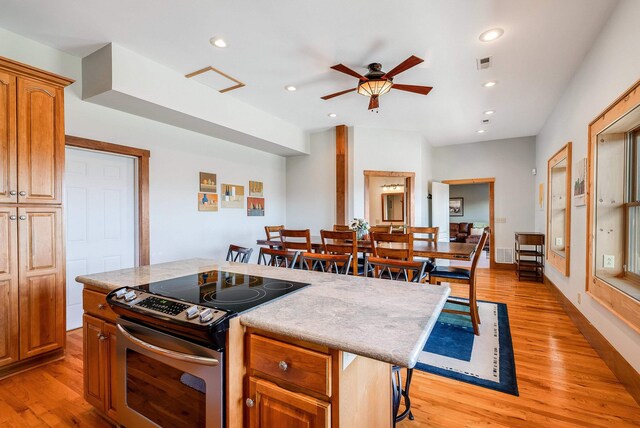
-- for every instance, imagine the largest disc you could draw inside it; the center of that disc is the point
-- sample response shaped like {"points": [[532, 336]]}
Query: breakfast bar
{"points": [[319, 344]]}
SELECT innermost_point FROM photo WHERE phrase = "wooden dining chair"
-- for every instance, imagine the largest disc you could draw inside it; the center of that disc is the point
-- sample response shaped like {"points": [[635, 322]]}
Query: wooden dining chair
{"points": [[330, 263], [239, 254], [341, 228], [278, 258], [380, 229], [427, 234], [342, 242], [393, 246], [273, 234], [463, 276], [296, 239]]}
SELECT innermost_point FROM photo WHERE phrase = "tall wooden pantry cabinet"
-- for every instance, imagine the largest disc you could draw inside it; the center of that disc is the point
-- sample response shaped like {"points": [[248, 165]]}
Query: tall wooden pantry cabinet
{"points": [[32, 259]]}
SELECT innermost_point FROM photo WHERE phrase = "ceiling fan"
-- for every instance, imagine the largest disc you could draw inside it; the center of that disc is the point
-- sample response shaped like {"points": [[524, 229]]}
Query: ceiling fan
{"points": [[377, 82]]}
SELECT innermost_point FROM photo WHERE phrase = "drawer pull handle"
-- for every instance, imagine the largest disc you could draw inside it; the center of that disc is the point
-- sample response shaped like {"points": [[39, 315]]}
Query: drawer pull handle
{"points": [[13, 217], [102, 336], [23, 193], [250, 402], [283, 366], [13, 193], [23, 217], [101, 306]]}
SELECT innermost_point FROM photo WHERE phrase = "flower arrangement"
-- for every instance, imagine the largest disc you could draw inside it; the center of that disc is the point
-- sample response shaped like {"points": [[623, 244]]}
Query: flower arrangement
{"points": [[360, 226]]}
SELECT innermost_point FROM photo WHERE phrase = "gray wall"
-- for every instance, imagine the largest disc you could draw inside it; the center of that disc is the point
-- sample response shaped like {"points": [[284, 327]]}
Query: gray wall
{"points": [[510, 162], [476, 202]]}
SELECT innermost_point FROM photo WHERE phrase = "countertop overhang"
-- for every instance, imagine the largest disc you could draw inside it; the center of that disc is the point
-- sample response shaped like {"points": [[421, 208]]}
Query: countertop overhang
{"points": [[385, 320]]}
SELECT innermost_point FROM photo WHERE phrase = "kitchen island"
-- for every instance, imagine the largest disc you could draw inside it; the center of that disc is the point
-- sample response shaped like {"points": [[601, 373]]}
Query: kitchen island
{"points": [[346, 331]]}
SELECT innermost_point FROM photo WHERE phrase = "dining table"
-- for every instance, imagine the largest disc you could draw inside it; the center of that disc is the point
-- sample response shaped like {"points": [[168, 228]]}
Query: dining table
{"points": [[427, 249]]}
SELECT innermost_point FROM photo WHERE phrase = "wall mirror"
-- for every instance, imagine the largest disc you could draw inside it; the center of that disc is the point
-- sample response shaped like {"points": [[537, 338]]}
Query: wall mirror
{"points": [[559, 209], [613, 209], [393, 207]]}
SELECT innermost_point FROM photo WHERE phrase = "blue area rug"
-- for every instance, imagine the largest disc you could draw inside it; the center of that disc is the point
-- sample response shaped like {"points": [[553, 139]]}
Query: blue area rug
{"points": [[453, 351]]}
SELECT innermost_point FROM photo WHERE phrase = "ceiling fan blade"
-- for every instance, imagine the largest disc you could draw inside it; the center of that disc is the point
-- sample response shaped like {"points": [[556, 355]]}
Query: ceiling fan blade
{"points": [[412, 61], [346, 70], [327, 97], [373, 102], [424, 90]]}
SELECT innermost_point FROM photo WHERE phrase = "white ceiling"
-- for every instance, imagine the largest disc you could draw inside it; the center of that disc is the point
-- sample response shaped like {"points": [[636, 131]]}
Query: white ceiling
{"points": [[294, 42]]}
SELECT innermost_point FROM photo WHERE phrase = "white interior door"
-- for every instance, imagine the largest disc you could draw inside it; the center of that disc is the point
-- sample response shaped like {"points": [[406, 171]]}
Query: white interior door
{"points": [[440, 209], [100, 219]]}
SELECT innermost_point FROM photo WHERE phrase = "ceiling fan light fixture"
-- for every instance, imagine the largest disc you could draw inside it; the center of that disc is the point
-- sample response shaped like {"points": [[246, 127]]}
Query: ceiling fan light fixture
{"points": [[375, 87]]}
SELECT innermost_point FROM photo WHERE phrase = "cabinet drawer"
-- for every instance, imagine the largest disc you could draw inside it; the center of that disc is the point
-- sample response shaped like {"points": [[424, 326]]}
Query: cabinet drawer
{"points": [[95, 303], [302, 367]]}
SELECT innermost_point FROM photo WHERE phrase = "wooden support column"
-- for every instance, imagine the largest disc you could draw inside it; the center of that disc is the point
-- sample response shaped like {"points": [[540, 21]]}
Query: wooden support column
{"points": [[342, 169]]}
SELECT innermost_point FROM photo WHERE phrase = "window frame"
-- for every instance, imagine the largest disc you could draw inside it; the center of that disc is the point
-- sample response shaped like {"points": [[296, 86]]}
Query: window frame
{"points": [[620, 304]]}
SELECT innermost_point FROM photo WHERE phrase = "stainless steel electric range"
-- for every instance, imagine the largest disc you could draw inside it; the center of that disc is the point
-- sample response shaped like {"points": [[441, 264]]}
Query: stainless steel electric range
{"points": [[170, 345]]}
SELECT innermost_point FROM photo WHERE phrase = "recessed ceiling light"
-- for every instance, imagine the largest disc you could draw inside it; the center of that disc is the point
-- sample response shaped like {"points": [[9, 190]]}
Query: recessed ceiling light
{"points": [[491, 35], [489, 84], [290, 88], [218, 42], [481, 131], [332, 115], [489, 112]]}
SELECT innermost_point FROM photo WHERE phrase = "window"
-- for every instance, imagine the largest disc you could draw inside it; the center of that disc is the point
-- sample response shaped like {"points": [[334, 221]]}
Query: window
{"points": [[632, 207], [613, 208]]}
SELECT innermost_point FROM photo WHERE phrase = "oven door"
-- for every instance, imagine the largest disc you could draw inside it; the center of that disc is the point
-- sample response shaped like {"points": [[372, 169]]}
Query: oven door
{"points": [[164, 381]]}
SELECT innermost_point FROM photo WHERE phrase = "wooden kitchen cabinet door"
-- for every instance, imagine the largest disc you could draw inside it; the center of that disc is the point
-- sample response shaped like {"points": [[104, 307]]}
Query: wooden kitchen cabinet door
{"points": [[40, 142], [110, 371], [41, 276], [277, 407], [8, 286], [94, 376], [8, 143]]}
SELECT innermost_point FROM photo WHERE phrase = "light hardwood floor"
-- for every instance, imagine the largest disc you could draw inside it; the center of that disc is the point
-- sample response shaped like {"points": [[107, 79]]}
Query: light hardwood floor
{"points": [[562, 381]]}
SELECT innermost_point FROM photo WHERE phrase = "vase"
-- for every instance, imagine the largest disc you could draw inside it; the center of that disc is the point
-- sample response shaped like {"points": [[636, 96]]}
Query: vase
{"points": [[360, 234]]}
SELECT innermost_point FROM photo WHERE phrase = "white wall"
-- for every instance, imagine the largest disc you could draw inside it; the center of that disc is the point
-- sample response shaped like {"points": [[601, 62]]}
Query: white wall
{"points": [[386, 150], [178, 230], [510, 161], [612, 66], [476, 202], [311, 185]]}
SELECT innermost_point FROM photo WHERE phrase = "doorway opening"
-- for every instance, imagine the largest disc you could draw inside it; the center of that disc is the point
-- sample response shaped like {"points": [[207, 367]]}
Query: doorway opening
{"points": [[389, 198], [471, 209]]}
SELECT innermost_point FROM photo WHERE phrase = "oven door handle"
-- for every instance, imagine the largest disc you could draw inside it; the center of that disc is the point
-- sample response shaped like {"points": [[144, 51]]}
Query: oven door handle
{"points": [[206, 361]]}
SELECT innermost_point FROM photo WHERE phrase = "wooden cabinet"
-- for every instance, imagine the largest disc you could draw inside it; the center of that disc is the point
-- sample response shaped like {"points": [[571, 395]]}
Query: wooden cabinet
{"points": [[99, 354], [295, 389], [8, 143], [8, 286], [40, 142], [41, 277], [32, 261], [277, 407]]}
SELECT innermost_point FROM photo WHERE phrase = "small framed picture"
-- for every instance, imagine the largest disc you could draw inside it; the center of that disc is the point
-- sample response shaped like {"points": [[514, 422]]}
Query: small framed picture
{"points": [[207, 202], [208, 182], [456, 207]]}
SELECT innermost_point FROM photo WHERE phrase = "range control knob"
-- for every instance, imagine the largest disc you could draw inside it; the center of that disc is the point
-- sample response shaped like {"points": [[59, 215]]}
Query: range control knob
{"points": [[206, 315], [131, 295], [192, 312], [120, 293]]}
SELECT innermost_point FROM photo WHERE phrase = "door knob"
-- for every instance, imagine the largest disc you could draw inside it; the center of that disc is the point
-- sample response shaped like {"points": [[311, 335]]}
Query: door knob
{"points": [[283, 366], [13, 217], [23, 217], [102, 336], [23, 193], [13, 192], [250, 402]]}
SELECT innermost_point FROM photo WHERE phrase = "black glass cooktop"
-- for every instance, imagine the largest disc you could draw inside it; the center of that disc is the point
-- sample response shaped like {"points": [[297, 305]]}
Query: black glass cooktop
{"points": [[225, 290]]}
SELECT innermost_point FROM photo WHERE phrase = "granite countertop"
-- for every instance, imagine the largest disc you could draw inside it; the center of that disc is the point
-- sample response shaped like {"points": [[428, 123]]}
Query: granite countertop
{"points": [[385, 320]]}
